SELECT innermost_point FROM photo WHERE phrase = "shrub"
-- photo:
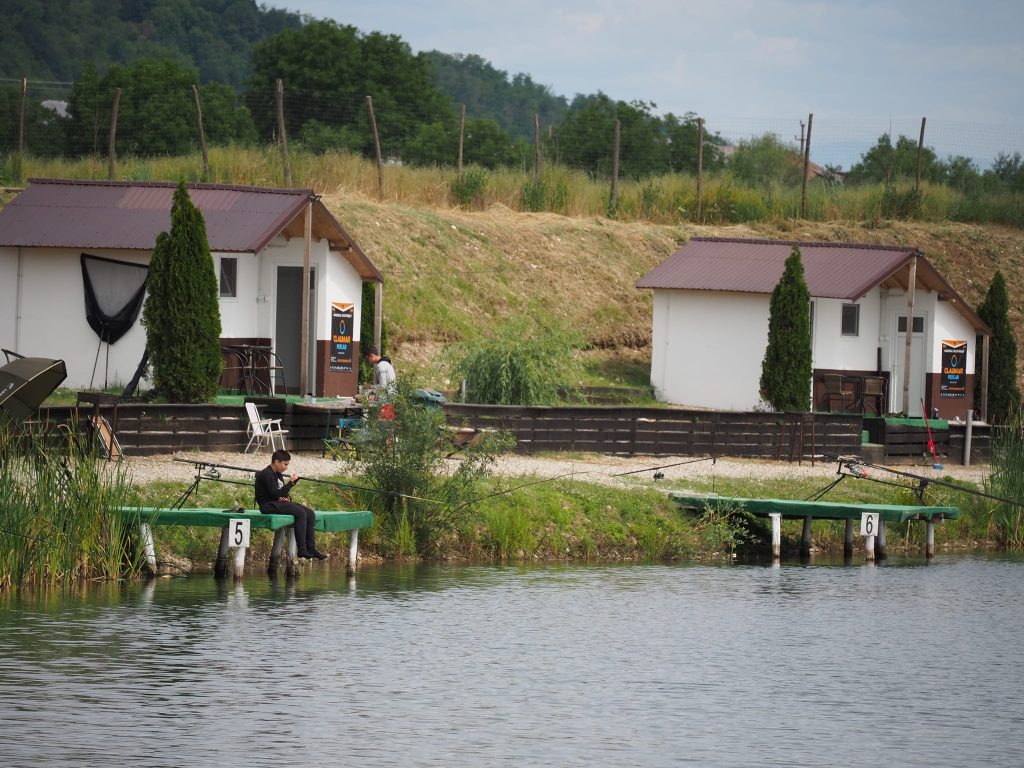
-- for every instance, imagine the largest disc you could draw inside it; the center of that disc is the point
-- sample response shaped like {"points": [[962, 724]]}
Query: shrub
{"points": [[524, 363], [786, 368], [417, 503], [469, 188]]}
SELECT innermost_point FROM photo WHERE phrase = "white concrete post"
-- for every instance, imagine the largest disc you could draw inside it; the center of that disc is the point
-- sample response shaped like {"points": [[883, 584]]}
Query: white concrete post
{"points": [[776, 534], [353, 551], [869, 548], [929, 547], [240, 562], [848, 538], [146, 535]]}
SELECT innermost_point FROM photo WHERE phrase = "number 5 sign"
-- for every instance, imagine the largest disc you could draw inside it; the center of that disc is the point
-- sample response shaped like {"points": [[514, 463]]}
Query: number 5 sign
{"points": [[869, 524], [238, 532]]}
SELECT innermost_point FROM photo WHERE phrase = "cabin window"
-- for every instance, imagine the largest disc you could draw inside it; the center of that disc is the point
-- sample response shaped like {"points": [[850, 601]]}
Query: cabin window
{"points": [[851, 320], [901, 324], [228, 277]]}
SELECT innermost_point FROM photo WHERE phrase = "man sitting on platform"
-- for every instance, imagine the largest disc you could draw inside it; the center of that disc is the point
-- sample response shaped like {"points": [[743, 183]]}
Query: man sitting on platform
{"points": [[273, 497]]}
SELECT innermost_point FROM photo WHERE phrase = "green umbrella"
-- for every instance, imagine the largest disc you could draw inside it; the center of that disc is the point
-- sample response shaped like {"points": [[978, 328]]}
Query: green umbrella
{"points": [[25, 383]]}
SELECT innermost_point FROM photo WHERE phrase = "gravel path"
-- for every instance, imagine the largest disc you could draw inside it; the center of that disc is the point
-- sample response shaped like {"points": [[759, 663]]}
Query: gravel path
{"points": [[593, 468]]}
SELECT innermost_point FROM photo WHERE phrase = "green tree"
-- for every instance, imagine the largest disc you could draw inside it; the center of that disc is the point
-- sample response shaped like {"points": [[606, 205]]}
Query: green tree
{"points": [[181, 313], [765, 160], [887, 163], [586, 138], [1003, 392], [490, 93], [329, 69], [786, 368], [681, 133]]}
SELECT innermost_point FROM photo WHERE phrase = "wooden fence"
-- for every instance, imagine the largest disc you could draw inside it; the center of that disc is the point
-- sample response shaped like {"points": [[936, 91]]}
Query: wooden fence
{"points": [[665, 431], [148, 429]]}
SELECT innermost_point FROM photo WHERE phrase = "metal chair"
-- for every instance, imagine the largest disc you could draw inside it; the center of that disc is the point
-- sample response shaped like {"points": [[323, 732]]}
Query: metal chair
{"points": [[873, 389], [232, 377], [347, 437], [841, 388]]}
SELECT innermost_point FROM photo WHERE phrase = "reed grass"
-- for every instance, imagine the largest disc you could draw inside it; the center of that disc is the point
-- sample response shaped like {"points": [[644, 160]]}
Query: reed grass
{"points": [[664, 199], [54, 525]]}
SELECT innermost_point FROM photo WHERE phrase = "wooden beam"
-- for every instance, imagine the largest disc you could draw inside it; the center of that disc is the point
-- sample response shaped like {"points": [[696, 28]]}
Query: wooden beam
{"points": [[911, 290], [304, 341]]}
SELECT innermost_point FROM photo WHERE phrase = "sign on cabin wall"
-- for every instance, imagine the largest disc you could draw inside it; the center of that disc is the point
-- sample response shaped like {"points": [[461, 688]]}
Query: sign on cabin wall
{"points": [[341, 336], [953, 381]]}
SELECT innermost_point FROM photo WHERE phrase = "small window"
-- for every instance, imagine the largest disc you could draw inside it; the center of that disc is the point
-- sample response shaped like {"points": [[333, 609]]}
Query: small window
{"points": [[228, 277], [851, 320], [901, 324]]}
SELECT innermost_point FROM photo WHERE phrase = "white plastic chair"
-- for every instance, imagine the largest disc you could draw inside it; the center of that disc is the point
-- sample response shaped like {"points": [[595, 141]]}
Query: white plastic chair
{"points": [[263, 431]]}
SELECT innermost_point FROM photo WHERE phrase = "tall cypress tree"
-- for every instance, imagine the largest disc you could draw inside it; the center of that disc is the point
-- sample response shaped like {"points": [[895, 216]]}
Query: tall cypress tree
{"points": [[1003, 392], [786, 368], [181, 313]]}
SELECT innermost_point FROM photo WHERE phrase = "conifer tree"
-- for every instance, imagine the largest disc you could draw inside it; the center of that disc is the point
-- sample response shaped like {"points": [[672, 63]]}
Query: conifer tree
{"points": [[1003, 392], [181, 313], [786, 368]]}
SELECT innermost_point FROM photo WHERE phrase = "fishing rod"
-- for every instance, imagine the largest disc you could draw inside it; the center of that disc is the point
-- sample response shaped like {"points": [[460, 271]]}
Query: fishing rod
{"points": [[210, 473], [712, 459], [859, 468]]}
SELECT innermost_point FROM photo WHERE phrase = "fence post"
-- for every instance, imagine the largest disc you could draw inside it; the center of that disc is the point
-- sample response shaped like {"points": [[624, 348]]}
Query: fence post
{"points": [[462, 137], [376, 148], [536, 147], [613, 200], [202, 133], [920, 148], [111, 145], [21, 117], [700, 166], [807, 168], [281, 137]]}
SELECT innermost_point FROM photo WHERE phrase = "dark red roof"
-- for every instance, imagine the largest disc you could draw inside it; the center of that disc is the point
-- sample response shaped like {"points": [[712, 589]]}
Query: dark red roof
{"points": [[832, 270], [59, 213]]}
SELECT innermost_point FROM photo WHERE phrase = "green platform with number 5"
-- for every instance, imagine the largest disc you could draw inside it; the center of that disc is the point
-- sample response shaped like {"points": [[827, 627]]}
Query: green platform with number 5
{"points": [[327, 521]]}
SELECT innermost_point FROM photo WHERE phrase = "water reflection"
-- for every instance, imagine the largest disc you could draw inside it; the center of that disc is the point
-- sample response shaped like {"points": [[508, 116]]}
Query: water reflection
{"points": [[782, 664]]}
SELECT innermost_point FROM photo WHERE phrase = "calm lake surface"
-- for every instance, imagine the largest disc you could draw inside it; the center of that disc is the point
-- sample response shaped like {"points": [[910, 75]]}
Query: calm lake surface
{"points": [[900, 664]]}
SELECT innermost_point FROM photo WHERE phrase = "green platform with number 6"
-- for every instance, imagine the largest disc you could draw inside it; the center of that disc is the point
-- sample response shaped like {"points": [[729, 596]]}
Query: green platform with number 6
{"points": [[825, 510]]}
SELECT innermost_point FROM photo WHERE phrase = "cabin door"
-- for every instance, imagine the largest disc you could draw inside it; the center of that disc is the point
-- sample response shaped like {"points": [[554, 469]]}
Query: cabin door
{"points": [[917, 362], [288, 326]]}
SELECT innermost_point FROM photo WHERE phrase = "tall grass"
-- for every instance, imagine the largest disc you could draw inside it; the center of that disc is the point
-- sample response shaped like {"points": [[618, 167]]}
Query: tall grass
{"points": [[53, 522], [1007, 480], [665, 199]]}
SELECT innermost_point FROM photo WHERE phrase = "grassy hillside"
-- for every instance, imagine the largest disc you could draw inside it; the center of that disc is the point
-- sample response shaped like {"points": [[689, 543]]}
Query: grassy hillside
{"points": [[452, 274]]}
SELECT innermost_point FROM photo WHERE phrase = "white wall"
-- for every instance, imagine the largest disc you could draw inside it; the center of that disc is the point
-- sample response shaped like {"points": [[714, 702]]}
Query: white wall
{"points": [[238, 315], [343, 284], [53, 320], [8, 299], [831, 349], [708, 347], [950, 324]]}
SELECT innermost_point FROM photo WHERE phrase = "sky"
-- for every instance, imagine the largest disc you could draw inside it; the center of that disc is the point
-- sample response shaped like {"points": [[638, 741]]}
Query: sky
{"points": [[748, 67]]}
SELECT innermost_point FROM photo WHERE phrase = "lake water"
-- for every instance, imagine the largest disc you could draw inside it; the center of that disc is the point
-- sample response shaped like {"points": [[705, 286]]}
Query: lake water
{"points": [[900, 664]]}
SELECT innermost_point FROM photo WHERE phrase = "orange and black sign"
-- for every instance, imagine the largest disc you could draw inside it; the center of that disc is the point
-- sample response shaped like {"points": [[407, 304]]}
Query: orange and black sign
{"points": [[341, 336], [953, 381]]}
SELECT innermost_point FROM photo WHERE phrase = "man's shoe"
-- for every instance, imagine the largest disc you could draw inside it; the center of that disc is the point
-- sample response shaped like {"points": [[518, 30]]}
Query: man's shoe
{"points": [[317, 555], [304, 556]]}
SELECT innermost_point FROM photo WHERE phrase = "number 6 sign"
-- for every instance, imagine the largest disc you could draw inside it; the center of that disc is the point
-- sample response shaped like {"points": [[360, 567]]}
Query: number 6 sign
{"points": [[869, 524], [238, 532]]}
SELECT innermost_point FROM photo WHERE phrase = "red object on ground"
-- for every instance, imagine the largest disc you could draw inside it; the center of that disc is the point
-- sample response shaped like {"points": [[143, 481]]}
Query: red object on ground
{"points": [[387, 412]]}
